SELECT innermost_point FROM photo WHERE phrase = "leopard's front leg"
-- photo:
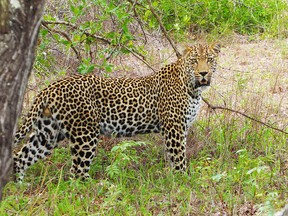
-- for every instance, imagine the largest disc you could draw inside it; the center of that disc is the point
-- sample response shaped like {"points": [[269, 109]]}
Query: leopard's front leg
{"points": [[175, 141]]}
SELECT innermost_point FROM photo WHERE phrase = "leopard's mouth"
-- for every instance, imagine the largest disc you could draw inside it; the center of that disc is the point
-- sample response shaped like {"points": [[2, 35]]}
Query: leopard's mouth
{"points": [[202, 82]]}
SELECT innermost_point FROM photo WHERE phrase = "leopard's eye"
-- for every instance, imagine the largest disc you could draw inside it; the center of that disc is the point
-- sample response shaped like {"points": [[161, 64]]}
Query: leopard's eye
{"points": [[210, 59], [193, 60]]}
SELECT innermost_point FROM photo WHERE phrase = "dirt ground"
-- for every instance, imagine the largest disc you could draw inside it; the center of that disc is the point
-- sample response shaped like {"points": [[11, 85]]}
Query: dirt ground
{"points": [[249, 72]]}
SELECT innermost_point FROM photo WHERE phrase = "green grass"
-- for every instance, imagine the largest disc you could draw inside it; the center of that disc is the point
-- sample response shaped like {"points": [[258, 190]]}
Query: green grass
{"points": [[234, 172]]}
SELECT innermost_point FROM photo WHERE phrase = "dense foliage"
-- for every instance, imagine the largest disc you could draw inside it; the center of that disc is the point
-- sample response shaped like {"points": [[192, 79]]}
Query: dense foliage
{"points": [[222, 17]]}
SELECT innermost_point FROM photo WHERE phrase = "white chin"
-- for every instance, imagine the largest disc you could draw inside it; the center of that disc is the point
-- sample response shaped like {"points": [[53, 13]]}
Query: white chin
{"points": [[204, 87]]}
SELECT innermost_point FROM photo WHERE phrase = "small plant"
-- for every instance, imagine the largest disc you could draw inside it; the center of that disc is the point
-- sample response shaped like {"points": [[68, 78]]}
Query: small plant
{"points": [[123, 154], [86, 67]]}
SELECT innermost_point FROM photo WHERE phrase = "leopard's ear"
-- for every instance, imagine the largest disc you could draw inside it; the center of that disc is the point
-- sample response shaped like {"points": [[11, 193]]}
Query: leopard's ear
{"points": [[216, 48], [187, 49]]}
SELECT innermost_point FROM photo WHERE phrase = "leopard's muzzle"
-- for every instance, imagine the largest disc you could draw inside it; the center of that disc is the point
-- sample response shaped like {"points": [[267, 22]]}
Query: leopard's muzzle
{"points": [[203, 79]]}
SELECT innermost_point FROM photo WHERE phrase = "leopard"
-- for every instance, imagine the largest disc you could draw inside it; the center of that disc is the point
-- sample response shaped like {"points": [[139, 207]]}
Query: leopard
{"points": [[81, 108]]}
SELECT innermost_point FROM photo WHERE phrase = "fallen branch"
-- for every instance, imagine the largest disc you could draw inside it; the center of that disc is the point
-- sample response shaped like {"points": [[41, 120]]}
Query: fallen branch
{"points": [[243, 114], [163, 29]]}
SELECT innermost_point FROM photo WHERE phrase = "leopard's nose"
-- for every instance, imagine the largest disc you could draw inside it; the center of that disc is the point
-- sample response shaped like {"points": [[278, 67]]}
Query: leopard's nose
{"points": [[203, 73]]}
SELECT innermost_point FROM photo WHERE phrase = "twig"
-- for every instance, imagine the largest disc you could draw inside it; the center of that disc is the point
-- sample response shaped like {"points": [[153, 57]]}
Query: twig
{"points": [[143, 60], [65, 36], [115, 47], [243, 114], [137, 3], [99, 38], [235, 70], [138, 19], [163, 29], [220, 196]]}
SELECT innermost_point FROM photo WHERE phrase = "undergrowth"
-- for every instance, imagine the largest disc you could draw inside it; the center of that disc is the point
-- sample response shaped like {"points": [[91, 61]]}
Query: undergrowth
{"points": [[233, 174], [222, 17]]}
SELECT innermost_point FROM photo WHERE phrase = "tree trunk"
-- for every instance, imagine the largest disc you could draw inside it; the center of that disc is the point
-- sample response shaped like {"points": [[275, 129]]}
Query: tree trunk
{"points": [[19, 27]]}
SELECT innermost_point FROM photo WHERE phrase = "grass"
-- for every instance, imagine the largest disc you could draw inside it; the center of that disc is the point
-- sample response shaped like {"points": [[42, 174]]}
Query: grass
{"points": [[234, 174]]}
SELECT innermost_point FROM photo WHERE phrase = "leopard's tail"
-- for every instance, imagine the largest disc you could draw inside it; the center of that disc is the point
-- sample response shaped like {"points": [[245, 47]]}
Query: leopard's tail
{"points": [[31, 119]]}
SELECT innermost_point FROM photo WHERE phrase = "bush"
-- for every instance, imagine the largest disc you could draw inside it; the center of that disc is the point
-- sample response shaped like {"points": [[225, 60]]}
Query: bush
{"points": [[243, 17]]}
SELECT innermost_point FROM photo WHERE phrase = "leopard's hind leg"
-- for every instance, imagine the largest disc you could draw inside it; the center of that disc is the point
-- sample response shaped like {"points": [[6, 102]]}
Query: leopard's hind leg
{"points": [[45, 136], [82, 129], [83, 149]]}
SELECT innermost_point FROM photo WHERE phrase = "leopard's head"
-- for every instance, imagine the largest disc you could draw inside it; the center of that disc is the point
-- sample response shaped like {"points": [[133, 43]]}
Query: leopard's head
{"points": [[200, 62]]}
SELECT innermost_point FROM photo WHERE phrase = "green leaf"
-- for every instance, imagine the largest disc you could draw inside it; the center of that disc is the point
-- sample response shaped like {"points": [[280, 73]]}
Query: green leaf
{"points": [[65, 42], [90, 68], [109, 68], [44, 32], [257, 169]]}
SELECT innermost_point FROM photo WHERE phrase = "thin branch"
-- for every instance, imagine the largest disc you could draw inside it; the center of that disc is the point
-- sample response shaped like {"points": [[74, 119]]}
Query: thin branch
{"points": [[243, 114], [99, 38], [96, 37], [143, 60], [235, 70], [115, 47], [65, 35], [163, 29], [138, 19], [137, 3]]}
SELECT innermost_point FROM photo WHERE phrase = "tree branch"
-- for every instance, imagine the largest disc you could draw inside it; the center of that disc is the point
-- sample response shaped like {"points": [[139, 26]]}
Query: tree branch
{"points": [[243, 114], [138, 19], [65, 35], [99, 38], [163, 29], [96, 37]]}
